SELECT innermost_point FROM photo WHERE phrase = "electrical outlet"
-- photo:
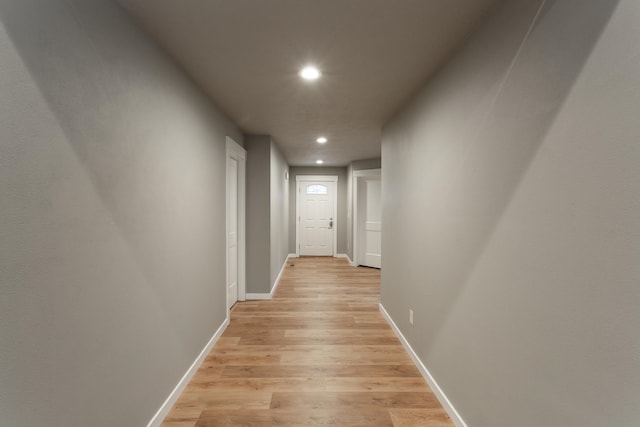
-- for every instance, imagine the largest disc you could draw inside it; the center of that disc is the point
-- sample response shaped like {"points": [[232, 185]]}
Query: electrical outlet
{"points": [[411, 317]]}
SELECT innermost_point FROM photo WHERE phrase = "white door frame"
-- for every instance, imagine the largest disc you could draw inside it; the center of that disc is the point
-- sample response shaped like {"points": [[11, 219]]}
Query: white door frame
{"points": [[236, 152], [311, 178], [358, 176]]}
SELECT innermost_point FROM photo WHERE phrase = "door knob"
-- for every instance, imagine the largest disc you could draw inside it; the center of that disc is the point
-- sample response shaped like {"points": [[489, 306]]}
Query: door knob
{"points": [[330, 223]]}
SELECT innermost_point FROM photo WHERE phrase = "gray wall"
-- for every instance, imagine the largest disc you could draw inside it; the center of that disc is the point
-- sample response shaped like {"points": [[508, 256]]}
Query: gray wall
{"points": [[341, 172], [258, 215], [365, 164], [267, 212], [279, 211], [511, 202], [112, 172]]}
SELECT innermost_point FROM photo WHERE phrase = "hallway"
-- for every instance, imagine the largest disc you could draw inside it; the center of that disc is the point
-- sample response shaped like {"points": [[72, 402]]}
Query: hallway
{"points": [[319, 353]]}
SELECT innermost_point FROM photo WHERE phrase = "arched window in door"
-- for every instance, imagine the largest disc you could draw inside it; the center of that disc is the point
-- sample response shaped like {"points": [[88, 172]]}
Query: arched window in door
{"points": [[317, 189]]}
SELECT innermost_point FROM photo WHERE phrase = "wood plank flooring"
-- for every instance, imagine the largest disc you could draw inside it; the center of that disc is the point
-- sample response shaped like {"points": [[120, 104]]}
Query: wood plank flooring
{"points": [[319, 353]]}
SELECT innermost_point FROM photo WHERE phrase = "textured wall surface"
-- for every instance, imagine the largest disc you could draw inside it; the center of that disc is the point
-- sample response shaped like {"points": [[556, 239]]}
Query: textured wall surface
{"points": [[511, 202], [112, 172], [258, 215], [267, 212]]}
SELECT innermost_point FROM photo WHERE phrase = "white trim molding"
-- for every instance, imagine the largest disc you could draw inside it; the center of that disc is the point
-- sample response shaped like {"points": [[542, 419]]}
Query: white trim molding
{"points": [[433, 385], [235, 151], [312, 178], [331, 178], [258, 296], [351, 263], [277, 281], [265, 296], [358, 176], [182, 384]]}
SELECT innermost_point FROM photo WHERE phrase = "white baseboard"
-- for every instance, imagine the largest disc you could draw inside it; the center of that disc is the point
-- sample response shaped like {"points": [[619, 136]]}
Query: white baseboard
{"points": [[292, 256], [263, 296], [179, 388], [277, 282], [437, 391], [257, 296], [351, 263]]}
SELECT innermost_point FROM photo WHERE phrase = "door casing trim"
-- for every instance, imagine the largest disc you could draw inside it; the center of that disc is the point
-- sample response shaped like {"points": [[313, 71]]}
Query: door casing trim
{"points": [[236, 152], [312, 178], [358, 176]]}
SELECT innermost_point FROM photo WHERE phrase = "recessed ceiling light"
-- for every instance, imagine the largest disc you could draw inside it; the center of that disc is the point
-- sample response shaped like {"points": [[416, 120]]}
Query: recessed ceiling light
{"points": [[310, 73], [319, 162], [321, 140]]}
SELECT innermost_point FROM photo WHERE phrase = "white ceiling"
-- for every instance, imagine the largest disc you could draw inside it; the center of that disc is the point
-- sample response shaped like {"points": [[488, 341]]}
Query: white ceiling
{"points": [[374, 54]]}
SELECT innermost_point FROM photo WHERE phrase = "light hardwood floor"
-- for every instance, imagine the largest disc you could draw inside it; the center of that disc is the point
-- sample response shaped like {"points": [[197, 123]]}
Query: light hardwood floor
{"points": [[319, 353]]}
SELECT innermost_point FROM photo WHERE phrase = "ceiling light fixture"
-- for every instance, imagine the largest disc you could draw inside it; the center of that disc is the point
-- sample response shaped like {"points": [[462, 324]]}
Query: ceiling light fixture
{"points": [[310, 73], [321, 140], [319, 162]]}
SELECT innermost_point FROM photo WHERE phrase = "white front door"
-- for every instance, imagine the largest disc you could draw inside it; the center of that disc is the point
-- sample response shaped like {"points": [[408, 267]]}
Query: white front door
{"points": [[232, 232], [370, 222], [316, 216]]}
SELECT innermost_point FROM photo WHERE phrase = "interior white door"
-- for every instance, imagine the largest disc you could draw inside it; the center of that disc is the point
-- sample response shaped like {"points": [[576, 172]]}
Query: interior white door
{"points": [[370, 222], [232, 231], [316, 217]]}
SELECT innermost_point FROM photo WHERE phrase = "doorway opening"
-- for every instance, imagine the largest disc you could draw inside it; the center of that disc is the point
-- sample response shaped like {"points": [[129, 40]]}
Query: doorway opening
{"points": [[367, 207], [235, 223]]}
